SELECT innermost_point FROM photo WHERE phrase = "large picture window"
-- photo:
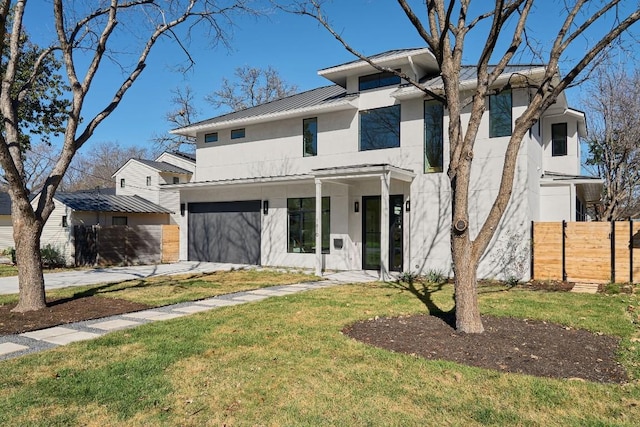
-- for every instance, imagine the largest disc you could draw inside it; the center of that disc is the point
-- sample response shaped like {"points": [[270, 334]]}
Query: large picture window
{"points": [[302, 224], [433, 136], [500, 114], [559, 139], [380, 128], [310, 136]]}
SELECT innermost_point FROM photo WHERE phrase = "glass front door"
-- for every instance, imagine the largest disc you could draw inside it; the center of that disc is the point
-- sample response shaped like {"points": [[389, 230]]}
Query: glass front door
{"points": [[371, 232]]}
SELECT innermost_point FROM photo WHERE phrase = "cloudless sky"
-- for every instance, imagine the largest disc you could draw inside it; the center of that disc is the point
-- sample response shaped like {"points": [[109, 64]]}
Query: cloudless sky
{"points": [[295, 46]]}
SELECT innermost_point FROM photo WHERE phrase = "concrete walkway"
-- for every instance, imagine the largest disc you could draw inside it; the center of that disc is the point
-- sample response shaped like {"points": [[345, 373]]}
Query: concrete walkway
{"points": [[12, 346], [9, 285]]}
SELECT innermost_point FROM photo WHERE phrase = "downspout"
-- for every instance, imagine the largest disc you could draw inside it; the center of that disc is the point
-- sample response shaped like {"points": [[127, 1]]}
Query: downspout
{"points": [[413, 68]]}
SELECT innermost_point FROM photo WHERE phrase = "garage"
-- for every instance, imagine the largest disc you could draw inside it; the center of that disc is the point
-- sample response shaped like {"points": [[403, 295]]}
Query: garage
{"points": [[225, 232]]}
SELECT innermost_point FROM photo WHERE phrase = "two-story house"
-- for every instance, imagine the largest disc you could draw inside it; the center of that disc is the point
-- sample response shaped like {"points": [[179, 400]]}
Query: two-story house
{"points": [[364, 161]]}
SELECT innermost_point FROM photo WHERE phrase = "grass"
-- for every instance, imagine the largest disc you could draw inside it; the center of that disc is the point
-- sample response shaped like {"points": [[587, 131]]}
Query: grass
{"points": [[165, 290], [283, 361], [8, 270]]}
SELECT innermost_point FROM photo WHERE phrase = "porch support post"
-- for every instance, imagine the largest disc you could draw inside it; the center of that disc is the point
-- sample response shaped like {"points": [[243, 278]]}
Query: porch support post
{"points": [[384, 226], [318, 228]]}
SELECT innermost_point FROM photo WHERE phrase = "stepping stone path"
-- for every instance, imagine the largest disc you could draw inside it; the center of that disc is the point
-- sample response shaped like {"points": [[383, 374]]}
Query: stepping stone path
{"points": [[31, 342]]}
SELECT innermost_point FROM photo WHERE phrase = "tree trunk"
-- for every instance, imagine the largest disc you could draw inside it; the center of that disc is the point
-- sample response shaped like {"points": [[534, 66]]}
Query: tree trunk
{"points": [[29, 262], [466, 294]]}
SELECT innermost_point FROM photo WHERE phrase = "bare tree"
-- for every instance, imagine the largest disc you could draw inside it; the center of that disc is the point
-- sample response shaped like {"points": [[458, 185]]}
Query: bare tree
{"points": [[613, 110], [94, 169], [444, 27], [83, 37], [184, 114], [252, 86]]}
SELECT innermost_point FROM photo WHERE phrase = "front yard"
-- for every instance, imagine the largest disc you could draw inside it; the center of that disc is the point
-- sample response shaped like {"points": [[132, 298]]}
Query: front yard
{"points": [[285, 361]]}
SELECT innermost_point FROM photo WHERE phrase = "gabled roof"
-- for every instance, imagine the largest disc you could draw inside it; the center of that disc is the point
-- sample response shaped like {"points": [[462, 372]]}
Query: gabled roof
{"points": [[162, 166], [322, 99], [92, 201], [187, 156]]}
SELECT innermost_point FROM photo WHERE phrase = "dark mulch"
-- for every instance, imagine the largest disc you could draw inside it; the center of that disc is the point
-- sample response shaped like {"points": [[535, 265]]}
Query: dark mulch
{"points": [[59, 312], [507, 345]]}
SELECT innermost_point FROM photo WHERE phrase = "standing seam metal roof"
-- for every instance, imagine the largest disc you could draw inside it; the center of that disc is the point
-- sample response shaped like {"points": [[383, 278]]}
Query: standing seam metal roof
{"points": [[97, 202], [163, 166]]}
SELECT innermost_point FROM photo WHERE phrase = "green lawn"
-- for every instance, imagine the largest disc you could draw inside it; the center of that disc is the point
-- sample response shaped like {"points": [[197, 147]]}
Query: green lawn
{"points": [[283, 361]]}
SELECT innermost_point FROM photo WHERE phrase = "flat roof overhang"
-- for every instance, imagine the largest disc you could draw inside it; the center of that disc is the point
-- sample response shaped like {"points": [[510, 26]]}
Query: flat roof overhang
{"points": [[339, 174]]}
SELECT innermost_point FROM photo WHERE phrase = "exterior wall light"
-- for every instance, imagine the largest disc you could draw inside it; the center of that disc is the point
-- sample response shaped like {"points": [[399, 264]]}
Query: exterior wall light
{"points": [[265, 207], [407, 206], [356, 206]]}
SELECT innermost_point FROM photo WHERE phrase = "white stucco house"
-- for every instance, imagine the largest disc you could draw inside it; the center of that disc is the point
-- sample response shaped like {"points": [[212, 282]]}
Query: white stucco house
{"points": [[364, 160]]}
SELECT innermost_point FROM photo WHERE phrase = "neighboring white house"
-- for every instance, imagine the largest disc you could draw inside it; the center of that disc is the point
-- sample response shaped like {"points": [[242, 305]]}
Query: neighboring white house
{"points": [[374, 151], [6, 227]]}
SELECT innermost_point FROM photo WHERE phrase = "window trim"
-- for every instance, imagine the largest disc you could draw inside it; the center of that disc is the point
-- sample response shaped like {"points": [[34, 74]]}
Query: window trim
{"points": [[238, 133], [326, 225], [314, 142], [493, 111], [363, 113], [565, 142], [378, 80], [126, 220], [427, 167], [210, 137]]}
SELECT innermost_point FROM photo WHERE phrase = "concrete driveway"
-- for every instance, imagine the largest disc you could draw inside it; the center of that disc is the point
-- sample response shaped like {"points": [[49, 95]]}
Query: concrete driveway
{"points": [[9, 285]]}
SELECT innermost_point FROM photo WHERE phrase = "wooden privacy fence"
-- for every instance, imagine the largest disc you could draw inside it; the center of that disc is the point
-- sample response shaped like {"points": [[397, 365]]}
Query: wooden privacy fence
{"points": [[586, 251], [126, 245]]}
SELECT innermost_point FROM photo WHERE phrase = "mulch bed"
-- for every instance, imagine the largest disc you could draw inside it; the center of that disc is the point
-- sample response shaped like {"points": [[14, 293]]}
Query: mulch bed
{"points": [[507, 345], [59, 312]]}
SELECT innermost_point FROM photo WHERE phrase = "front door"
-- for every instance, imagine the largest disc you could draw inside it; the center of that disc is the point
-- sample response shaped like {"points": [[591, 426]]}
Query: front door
{"points": [[371, 232]]}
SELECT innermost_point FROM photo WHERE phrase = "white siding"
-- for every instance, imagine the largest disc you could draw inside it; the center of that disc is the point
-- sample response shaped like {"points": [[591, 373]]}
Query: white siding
{"points": [[6, 233]]}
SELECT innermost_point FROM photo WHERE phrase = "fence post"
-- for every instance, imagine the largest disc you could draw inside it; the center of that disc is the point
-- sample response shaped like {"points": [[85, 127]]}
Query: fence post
{"points": [[532, 250], [613, 252], [564, 250], [630, 250]]}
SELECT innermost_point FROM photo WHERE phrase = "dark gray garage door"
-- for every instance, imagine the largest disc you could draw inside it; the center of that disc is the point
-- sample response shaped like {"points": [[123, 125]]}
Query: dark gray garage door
{"points": [[225, 232]]}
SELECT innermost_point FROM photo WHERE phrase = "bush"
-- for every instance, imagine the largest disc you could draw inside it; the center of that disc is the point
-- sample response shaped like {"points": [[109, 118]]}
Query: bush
{"points": [[10, 252], [52, 257], [436, 277], [407, 277]]}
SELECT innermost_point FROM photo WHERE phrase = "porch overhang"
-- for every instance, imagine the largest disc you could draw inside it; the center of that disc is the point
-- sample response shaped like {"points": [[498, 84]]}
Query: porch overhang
{"points": [[590, 188], [345, 173]]}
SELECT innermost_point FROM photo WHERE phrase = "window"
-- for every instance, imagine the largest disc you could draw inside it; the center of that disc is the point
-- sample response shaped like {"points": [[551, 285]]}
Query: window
{"points": [[310, 137], [302, 224], [433, 136], [121, 182], [237, 133], [65, 221], [119, 220], [176, 180], [148, 181], [380, 128], [373, 81], [500, 114], [559, 139], [211, 137]]}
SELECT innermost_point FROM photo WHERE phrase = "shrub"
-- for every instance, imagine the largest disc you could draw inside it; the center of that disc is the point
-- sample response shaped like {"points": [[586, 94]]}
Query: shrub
{"points": [[408, 277], [436, 276], [10, 252], [52, 257]]}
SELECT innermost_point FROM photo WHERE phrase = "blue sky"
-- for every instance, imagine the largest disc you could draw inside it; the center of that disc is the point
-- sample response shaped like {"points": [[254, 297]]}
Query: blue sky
{"points": [[296, 46]]}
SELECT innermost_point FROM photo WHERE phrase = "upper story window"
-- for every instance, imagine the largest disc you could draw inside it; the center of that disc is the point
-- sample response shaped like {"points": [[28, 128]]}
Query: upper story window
{"points": [[148, 181], [500, 114], [433, 136], [380, 128], [310, 137], [559, 139], [122, 183], [211, 137], [176, 180], [237, 133], [377, 80]]}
